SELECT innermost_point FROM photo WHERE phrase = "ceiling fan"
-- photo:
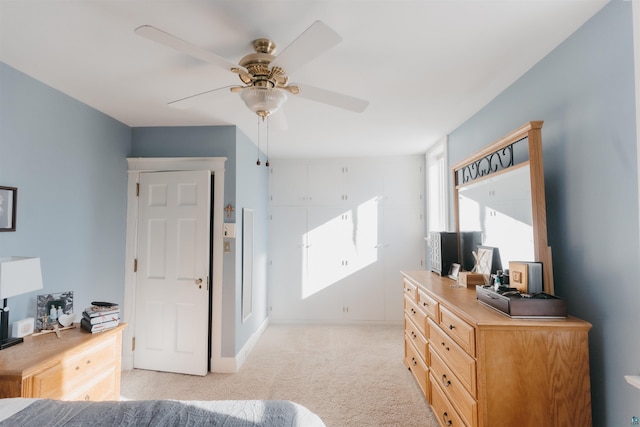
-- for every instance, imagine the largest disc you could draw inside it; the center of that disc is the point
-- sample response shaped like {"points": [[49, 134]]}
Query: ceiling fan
{"points": [[265, 76]]}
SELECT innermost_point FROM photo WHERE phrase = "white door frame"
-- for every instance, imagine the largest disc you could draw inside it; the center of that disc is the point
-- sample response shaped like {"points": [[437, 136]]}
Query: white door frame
{"points": [[166, 164]]}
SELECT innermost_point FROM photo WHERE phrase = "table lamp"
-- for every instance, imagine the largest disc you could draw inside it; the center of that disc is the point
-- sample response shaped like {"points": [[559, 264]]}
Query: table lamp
{"points": [[18, 275]]}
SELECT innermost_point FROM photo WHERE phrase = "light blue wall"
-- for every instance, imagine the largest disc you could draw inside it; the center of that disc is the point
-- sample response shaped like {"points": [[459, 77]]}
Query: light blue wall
{"points": [[584, 92], [245, 186], [252, 185], [68, 162]]}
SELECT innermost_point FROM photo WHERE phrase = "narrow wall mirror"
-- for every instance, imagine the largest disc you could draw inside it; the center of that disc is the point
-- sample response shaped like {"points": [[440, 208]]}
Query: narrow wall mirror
{"points": [[247, 263], [499, 198]]}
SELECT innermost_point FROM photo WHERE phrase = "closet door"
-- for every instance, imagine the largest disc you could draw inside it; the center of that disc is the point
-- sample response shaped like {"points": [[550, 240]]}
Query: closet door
{"points": [[288, 183], [329, 234], [288, 255]]}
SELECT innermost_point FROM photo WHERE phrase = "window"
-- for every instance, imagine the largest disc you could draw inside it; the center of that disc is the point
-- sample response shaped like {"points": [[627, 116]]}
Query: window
{"points": [[437, 183]]}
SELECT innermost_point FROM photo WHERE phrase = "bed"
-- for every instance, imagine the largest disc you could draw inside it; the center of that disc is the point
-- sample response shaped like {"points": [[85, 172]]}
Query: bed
{"points": [[224, 413]]}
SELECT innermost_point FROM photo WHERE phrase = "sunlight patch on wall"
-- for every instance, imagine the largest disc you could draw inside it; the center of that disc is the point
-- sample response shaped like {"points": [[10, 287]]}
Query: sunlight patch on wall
{"points": [[340, 247]]}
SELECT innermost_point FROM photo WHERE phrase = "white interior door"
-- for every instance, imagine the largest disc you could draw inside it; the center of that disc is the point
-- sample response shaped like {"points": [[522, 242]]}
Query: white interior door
{"points": [[171, 328]]}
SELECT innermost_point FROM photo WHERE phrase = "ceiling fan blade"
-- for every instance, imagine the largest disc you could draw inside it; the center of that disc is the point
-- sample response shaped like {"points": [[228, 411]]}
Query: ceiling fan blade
{"points": [[314, 41], [339, 100], [200, 98], [166, 39]]}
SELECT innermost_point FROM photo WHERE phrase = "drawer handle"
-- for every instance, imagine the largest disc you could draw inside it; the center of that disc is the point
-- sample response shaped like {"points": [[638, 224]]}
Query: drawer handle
{"points": [[445, 346], [451, 327], [424, 304], [445, 381], [447, 420], [413, 311], [413, 359], [413, 335], [88, 361], [77, 368]]}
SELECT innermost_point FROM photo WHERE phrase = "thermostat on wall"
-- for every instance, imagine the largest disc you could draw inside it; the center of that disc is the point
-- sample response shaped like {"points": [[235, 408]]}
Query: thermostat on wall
{"points": [[229, 230], [22, 328]]}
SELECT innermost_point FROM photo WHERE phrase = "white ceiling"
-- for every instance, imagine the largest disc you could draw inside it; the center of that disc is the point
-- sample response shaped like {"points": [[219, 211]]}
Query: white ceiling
{"points": [[424, 65]]}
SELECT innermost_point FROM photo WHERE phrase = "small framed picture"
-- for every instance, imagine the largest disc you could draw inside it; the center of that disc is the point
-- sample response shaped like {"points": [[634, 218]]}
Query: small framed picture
{"points": [[52, 306], [454, 270], [8, 203]]}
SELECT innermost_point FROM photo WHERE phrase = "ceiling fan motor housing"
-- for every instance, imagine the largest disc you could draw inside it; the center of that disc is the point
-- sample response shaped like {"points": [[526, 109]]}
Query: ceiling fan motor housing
{"points": [[257, 64]]}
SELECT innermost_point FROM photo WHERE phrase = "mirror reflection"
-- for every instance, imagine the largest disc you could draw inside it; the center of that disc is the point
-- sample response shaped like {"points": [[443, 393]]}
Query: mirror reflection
{"points": [[500, 209]]}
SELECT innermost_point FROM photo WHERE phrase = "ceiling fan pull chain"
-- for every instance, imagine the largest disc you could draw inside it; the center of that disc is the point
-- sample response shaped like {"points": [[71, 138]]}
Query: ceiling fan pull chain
{"points": [[267, 163], [258, 162]]}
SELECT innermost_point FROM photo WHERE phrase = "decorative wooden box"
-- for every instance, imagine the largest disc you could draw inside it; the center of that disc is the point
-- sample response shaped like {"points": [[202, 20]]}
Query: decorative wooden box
{"points": [[470, 280], [514, 305]]}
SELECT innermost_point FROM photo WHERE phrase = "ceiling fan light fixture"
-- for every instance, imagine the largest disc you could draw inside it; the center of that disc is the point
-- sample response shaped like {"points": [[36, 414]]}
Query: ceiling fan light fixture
{"points": [[263, 100]]}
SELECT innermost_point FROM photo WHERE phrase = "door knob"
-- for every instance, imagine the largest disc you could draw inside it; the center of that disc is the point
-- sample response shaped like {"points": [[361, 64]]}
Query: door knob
{"points": [[199, 283]]}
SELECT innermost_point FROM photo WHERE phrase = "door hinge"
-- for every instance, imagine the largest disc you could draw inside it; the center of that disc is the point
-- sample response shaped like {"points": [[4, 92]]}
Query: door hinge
{"points": [[133, 343], [137, 189], [135, 265]]}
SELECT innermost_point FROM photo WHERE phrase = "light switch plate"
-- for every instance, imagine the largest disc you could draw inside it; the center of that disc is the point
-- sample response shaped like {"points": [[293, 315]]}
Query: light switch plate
{"points": [[229, 230]]}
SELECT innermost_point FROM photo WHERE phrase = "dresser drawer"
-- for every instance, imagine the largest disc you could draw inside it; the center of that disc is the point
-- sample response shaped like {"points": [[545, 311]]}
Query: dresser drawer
{"points": [[98, 388], [455, 392], [428, 305], [62, 380], [410, 290], [414, 312], [416, 337], [461, 332], [417, 366], [442, 408], [457, 360]]}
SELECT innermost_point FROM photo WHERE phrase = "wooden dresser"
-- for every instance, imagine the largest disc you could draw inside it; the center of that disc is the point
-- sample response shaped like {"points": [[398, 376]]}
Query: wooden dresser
{"points": [[76, 366], [480, 368]]}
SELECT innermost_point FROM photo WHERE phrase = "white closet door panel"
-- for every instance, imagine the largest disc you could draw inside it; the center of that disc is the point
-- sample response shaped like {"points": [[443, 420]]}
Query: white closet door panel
{"points": [[402, 252], [404, 181], [363, 294], [326, 183], [288, 181], [288, 247], [364, 180], [329, 238]]}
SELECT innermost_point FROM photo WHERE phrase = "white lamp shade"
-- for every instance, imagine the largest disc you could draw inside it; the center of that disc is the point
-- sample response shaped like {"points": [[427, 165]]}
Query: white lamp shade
{"points": [[19, 275]]}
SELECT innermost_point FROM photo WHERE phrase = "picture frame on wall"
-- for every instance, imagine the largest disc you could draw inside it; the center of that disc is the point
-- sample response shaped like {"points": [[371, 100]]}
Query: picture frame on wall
{"points": [[8, 204]]}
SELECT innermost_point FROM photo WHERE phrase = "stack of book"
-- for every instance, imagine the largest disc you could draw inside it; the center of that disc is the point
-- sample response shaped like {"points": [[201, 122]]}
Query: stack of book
{"points": [[98, 318]]}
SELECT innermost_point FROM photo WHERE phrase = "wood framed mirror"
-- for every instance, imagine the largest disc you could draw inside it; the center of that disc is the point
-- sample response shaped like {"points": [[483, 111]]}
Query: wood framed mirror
{"points": [[499, 196]]}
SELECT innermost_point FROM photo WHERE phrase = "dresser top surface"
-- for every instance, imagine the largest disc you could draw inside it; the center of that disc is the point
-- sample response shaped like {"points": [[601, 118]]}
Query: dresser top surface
{"points": [[464, 303]]}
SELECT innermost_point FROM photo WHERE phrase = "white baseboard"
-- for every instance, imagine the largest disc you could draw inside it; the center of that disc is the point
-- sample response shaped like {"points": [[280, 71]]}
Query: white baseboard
{"points": [[337, 322], [224, 365], [231, 365]]}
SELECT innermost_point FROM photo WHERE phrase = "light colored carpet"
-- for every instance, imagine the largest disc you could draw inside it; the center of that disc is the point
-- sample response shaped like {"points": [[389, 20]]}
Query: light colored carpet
{"points": [[351, 376]]}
